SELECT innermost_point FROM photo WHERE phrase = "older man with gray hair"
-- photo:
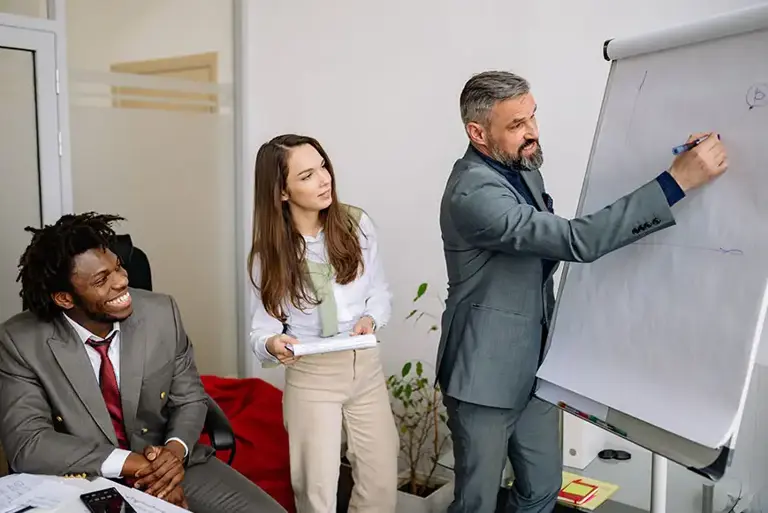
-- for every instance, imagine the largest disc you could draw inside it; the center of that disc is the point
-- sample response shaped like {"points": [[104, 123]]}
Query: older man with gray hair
{"points": [[502, 244]]}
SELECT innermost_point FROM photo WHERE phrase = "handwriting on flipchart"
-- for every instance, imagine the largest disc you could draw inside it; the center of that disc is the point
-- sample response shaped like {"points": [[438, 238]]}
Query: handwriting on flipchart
{"points": [[724, 251], [634, 104], [757, 95]]}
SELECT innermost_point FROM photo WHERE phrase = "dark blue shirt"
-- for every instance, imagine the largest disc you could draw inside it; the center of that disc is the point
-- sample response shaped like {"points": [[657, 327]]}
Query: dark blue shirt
{"points": [[669, 186]]}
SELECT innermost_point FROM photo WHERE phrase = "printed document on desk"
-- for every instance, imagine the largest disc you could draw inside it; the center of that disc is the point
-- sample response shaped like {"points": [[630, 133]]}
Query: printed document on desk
{"points": [[42, 492], [51, 494], [341, 342]]}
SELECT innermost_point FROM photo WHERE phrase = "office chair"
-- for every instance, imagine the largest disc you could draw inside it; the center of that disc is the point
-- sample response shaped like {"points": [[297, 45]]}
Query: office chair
{"points": [[136, 263]]}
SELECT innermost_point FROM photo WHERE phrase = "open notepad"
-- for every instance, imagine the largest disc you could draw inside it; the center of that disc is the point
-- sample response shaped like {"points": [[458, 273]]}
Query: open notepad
{"points": [[341, 342]]}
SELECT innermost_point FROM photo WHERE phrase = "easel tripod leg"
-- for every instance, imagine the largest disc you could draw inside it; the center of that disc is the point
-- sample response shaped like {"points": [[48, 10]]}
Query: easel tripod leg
{"points": [[658, 484]]}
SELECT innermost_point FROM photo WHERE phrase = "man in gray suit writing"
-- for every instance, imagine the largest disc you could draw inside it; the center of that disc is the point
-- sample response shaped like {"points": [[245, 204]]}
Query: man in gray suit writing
{"points": [[502, 244], [100, 379]]}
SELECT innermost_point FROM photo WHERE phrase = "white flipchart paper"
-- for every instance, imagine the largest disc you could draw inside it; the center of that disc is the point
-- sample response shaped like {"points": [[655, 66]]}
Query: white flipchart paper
{"points": [[667, 329]]}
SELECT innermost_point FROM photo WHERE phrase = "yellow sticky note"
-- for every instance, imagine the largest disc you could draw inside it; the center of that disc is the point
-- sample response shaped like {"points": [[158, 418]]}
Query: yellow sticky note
{"points": [[577, 489]]}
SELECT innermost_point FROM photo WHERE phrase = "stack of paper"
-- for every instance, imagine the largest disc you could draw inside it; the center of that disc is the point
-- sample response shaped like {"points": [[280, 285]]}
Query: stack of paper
{"points": [[50, 494], [342, 342]]}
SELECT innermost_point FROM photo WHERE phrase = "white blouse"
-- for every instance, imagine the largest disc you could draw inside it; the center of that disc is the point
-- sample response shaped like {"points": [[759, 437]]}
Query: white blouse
{"points": [[367, 295]]}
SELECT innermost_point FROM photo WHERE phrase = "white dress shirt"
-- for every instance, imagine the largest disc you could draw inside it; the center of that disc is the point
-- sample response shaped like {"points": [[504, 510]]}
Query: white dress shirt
{"points": [[113, 465], [367, 295]]}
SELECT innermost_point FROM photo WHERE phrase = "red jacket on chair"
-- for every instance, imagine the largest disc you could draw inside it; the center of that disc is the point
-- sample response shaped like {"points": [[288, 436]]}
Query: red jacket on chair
{"points": [[255, 411]]}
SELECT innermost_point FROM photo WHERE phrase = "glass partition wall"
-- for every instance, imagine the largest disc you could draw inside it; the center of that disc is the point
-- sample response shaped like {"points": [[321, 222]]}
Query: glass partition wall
{"points": [[152, 136]]}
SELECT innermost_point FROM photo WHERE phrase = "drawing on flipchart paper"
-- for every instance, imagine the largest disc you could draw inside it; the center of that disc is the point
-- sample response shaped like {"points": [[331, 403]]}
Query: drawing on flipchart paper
{"points": [[634, 105], [724, 251], [757, 95]]}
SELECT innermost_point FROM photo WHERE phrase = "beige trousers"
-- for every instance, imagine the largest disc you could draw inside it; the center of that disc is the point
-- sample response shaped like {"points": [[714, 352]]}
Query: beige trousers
{"points": [[324, 394]]}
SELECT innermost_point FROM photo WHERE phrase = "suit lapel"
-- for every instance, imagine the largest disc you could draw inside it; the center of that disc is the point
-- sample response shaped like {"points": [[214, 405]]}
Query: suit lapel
{"points": [[71, 356], [535, 190], [552, 271], [132, 354]]}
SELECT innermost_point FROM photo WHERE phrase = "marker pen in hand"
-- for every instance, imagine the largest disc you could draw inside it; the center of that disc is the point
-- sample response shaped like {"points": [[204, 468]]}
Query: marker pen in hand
{"points": [[677, 150]]}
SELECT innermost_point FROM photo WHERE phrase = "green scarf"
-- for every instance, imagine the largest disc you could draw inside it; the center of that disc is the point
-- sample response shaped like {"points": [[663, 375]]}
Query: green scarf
{"points": [[321, 277]]}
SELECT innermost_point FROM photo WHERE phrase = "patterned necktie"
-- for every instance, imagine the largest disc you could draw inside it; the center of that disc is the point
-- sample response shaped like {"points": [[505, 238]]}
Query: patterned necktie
{"points": [[110, 390]]}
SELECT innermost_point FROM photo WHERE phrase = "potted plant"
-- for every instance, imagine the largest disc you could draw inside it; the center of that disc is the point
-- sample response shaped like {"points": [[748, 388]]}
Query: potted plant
{"points": [[425, 486]]}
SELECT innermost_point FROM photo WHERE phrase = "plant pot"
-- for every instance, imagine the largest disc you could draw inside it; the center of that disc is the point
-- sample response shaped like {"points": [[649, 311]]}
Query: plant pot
{"points": [[437, 502]]}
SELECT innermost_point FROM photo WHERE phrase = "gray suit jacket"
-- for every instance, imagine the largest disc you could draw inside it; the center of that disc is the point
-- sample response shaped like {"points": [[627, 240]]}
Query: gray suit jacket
{"points": [[498, 301], [53, 419]]}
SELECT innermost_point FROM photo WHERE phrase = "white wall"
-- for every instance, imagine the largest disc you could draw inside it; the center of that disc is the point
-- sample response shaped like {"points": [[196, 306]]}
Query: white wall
{"points": [[378, 84]]}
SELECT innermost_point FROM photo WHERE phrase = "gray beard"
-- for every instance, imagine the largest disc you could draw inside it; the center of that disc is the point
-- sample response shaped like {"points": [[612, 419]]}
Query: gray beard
{"points": [[520, 162]]}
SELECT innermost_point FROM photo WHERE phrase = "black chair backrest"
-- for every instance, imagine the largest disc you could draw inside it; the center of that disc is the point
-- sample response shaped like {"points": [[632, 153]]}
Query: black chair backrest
{"points": [[135, 262]]}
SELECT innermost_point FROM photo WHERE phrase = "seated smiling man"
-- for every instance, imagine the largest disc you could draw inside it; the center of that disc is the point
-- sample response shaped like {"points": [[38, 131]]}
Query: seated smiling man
{"points": [[100, 379]]}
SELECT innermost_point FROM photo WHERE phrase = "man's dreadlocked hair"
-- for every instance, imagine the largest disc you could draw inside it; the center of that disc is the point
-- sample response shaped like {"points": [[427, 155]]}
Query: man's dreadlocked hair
{"points": [[46, 265]]}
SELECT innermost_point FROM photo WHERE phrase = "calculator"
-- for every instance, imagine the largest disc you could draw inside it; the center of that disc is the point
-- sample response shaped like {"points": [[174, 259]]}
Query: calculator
{"points": [[108, 500]]}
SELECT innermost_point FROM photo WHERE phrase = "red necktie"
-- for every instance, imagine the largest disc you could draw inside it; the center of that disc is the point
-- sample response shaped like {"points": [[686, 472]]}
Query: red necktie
{"points": [[110, 390]]}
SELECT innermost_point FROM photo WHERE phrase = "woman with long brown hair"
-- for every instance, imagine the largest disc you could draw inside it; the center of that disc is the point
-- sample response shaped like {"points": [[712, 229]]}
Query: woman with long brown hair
{"points": [[316, 272]]}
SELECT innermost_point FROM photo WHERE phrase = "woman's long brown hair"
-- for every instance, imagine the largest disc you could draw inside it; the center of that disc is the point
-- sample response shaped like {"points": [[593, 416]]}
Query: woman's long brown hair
{"points": [[277, 244]]}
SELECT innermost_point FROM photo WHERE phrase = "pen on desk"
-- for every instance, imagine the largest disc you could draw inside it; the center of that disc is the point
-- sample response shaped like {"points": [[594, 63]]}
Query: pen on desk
{"points": [[677, 150], [22, 510]]}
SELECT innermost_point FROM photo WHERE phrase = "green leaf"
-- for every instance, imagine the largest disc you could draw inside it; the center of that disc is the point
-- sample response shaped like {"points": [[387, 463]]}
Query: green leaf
{"points": [[419, 368], [433, 328], [420, 292], [403, 428], [408, 391], [413, 312], [406, 369]]}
